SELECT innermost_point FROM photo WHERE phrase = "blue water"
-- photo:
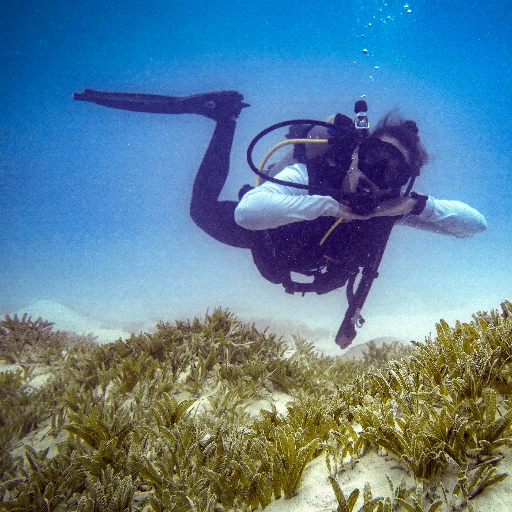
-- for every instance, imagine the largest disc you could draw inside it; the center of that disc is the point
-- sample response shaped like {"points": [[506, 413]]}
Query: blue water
{"points": [[94, 201]]}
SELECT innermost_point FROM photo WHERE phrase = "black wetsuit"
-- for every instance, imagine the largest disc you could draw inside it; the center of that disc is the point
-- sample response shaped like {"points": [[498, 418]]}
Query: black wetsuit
{"points": [[214, 217]]}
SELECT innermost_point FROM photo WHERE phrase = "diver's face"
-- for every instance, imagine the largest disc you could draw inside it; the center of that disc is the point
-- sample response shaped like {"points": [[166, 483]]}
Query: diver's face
{"points": [[355, 176]]}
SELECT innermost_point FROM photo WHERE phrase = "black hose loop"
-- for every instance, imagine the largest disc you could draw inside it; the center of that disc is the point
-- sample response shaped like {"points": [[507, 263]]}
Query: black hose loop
{"points": [[271, 128]]}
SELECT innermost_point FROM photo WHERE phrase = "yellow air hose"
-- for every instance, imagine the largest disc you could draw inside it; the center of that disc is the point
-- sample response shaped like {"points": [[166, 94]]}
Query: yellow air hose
{"points": [[284, 143], [331, 229], [296, 141]]}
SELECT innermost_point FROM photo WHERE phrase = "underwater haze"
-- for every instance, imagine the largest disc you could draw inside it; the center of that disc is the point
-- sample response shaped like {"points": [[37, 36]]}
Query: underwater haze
{"points": [[94, 201]]}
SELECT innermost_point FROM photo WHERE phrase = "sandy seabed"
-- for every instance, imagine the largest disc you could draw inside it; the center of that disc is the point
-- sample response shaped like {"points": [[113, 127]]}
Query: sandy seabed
{"points": [[315, 494]]}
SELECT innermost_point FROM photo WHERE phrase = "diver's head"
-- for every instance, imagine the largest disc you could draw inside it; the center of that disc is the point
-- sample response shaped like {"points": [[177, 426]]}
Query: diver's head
{"points": [[383, 163], [367, 168], [380, 167], [405, 134], [392, 154], [377, 172]]}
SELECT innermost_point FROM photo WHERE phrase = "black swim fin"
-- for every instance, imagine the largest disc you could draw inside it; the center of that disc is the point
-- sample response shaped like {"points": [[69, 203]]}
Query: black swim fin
{"points": [[215, 105]]}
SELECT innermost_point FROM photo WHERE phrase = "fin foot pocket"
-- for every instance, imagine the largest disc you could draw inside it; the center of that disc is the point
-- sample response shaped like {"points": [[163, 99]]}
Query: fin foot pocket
{"points": [[215, 105]]}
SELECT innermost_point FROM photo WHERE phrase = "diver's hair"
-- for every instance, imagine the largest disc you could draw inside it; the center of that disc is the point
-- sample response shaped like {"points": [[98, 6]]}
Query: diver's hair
{"points": [[406, 132]]}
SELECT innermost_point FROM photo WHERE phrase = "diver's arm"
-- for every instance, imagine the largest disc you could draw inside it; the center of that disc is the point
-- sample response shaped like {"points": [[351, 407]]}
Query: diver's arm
{"points": [[451, 218], [272, 205]]}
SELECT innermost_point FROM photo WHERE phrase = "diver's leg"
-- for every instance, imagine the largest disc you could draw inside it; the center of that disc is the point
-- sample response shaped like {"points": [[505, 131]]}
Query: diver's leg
{"points": [[214, 217]]}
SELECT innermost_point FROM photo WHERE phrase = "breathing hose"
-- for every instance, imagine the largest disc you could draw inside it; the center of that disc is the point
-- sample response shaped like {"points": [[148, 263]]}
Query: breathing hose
{"points": [[259, 171]]}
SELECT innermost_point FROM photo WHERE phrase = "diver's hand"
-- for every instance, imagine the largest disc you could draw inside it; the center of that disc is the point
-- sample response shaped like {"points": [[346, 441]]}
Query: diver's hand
{"points": [[395, 207], [346, 213]]}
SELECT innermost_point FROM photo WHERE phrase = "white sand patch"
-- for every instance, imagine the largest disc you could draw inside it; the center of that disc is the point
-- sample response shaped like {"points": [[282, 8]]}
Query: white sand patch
{"points": [[69, 320]]}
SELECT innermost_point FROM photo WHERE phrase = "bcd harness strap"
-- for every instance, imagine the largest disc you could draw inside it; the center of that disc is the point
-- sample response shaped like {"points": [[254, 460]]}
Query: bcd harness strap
{"points": [[356, 300]]}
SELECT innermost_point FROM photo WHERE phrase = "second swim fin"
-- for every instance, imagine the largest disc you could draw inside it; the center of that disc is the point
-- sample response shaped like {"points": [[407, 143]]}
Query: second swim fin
{"points": [[215, 105]]}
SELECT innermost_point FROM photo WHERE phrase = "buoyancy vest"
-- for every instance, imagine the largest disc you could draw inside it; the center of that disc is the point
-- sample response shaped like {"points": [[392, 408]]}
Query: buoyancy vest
{"points": [[332, 262], [295, 248]]}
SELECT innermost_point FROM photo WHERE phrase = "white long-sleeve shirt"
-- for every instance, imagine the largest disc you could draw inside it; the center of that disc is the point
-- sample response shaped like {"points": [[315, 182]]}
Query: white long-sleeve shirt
{"points": [[272, 205]]}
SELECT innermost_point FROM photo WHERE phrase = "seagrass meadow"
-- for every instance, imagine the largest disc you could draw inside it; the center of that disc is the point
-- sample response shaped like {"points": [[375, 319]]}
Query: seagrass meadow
{"points": [[212, 415]]}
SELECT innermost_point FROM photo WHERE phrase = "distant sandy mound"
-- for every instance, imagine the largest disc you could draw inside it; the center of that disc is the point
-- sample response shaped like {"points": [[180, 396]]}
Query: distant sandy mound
{"points": [[69, 320]]}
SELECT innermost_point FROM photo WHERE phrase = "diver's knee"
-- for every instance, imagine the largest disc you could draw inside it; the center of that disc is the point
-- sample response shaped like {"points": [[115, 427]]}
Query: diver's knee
{"points": [[195, 213], [199, 214]]}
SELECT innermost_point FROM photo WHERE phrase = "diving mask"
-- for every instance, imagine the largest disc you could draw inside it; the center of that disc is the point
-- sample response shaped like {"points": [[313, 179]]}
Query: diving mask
{"points": [[383, 163], [380, 173]]}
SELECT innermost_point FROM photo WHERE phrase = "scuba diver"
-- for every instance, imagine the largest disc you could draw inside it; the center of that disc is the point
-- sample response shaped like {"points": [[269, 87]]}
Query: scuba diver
{"points": [[325, 211]]}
